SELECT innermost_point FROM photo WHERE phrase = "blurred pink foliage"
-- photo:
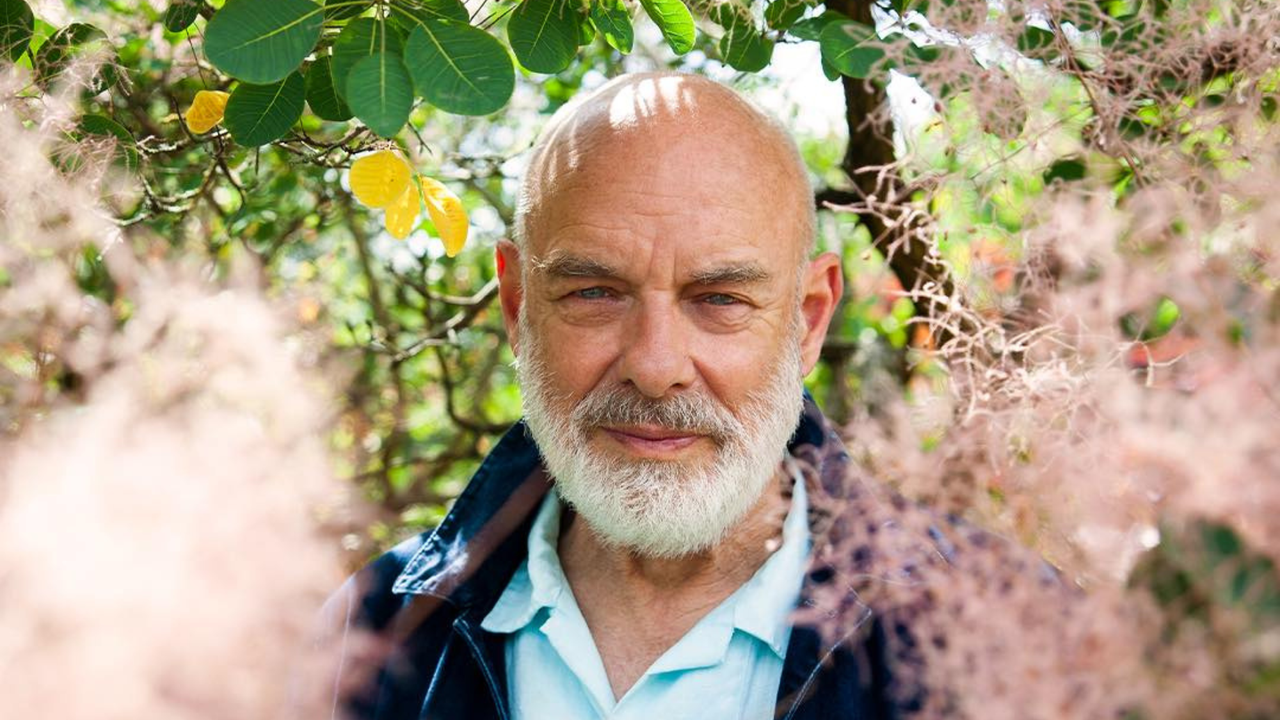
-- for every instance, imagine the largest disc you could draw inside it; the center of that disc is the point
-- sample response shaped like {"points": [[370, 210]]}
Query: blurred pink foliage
{"points": [[163, 550]]}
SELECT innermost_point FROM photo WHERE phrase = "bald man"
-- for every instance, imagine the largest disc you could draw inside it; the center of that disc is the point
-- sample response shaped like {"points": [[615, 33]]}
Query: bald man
{"points": [[636, 546]]}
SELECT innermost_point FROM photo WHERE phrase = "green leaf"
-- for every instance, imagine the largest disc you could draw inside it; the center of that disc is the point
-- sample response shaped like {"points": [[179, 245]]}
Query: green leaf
{"points": [[17, 23], [543, 35], [1204, 567], [262, 41], [322, 96], [380, 93], [344, 9], [586, 31], [1034, 39], [811, 28], [1153, 324], [914, 54], [1067, 170], [1166, 316], [180, 14], [829, 70], [361, 38], [104, 126], [1121, 8], [1132, 129], [850, 47], [748, 52], [69, 43], [1125, 32], [258, 114], [459, 68], [408, 16], [675, 21], [612, 19], [741, 46], [782, 14]]}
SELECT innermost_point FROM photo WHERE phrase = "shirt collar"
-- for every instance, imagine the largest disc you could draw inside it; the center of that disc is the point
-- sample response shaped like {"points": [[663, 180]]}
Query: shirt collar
{"points": [[765, 602], [539, 582], [761, 607]]}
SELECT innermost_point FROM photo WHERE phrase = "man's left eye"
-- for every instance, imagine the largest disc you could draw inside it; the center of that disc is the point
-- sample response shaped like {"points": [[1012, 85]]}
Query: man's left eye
{"points": [[592, 293], [720, 299]]}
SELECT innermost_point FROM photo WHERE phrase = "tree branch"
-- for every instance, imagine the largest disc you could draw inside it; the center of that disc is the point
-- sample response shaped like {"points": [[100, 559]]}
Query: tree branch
{"points": [[870, 163]]}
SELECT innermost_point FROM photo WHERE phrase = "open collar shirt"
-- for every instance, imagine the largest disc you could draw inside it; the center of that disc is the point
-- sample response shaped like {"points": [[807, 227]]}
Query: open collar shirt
{"points": [[728, 665]]}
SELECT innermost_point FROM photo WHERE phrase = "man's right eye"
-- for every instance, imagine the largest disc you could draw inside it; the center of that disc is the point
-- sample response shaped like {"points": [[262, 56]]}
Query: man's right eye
{"points": [[591, 293]]}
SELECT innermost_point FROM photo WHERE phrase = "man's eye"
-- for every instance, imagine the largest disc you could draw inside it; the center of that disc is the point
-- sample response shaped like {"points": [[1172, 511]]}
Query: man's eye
{"points": [[720, 299], [592, 293]]}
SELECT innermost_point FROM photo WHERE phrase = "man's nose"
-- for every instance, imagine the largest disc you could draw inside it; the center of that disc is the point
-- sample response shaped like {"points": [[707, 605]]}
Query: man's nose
{"points": [[655, 349]]}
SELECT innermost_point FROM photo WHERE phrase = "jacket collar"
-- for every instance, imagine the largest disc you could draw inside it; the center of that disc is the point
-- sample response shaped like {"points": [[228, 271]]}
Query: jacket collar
{"points": [[490, 519], [501, 497]]}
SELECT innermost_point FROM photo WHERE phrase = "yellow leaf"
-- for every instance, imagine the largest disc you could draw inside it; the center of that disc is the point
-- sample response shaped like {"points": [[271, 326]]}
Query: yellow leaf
{"points": [[447, 214], [379, 179], [402, 214], [206, 110]]}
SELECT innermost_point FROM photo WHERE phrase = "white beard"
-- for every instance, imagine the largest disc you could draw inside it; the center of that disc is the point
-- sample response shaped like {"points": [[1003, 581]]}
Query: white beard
{"points": [[659, 508]]}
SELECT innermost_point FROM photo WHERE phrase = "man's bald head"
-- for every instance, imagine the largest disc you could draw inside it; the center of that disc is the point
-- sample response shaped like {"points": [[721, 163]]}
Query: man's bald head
{"points": [[653, 122]]}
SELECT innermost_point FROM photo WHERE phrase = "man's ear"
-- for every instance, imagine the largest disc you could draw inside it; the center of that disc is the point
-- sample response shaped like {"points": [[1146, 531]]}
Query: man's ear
{"points": [[510, 289], [823, 288]]}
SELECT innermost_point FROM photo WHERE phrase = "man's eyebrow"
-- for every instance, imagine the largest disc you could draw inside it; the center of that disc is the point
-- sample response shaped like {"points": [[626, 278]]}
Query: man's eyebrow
{"points": [[736, 274], [561, 265]]}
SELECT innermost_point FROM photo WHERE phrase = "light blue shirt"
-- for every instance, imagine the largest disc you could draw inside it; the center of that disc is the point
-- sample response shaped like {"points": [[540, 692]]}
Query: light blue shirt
{"points": [[728, 666]]}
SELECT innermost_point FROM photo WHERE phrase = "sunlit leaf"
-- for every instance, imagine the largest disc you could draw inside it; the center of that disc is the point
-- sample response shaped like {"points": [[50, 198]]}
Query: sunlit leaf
{"points": [[206, 111], [586, 31], [675, 21], [447, 214], [613, 21], [379, 178], [402, 213]]}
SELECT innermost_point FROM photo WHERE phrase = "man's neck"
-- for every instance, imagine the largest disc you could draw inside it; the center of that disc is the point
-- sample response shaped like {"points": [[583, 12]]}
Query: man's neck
{"points": [[639, 606]]}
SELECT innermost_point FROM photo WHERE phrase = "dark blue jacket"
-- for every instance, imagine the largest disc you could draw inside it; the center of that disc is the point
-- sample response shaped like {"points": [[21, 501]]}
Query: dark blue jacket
{"points": [[424, 601]]}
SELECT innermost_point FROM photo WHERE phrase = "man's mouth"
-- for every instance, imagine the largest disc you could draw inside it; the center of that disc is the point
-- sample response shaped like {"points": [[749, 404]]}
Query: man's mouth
{"points": [[651, 439]]}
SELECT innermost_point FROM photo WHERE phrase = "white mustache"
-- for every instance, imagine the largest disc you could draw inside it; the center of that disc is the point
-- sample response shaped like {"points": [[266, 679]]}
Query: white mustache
{"points": [[692, 413]]}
